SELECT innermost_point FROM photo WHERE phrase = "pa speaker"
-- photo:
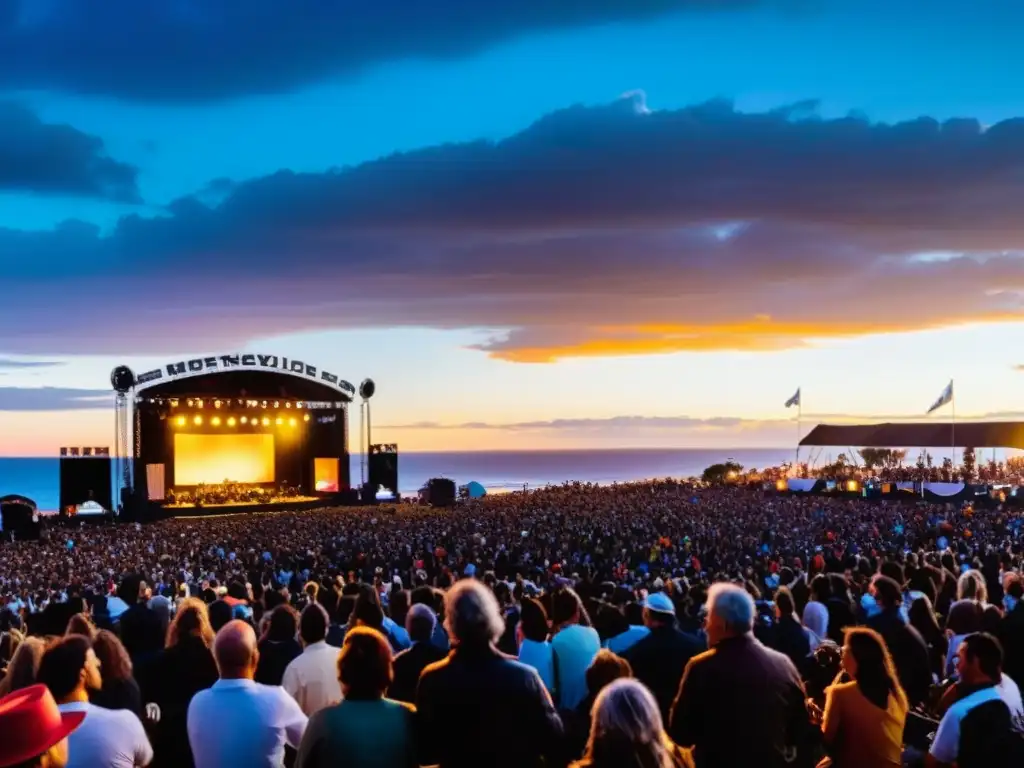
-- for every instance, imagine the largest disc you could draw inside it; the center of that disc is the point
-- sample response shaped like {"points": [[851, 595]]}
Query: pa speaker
{"points": [[383, 470], [441, 492], [85, 479]]}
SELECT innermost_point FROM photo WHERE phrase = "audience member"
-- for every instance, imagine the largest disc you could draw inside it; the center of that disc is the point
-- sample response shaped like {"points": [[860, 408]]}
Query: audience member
{"points": [[420, 622], [239, 721], [364, 730], [35, 731], [107, 738], [739, 686], [470, 703]]}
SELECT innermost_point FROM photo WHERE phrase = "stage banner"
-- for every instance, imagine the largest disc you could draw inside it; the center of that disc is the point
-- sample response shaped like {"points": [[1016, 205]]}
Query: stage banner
{"points": [[801, 484], [155, 482], [912, 487]]}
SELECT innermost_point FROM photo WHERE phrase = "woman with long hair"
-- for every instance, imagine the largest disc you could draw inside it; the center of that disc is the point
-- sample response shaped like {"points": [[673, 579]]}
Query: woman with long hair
{"points": [[81, 624], [626, 731], [863, 722], [24, 665], [120, 691], [922, 618], [278, 645], [184, 668]]}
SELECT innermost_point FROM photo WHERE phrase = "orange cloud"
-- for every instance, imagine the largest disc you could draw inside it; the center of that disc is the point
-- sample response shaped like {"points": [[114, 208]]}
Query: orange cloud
{"points": [[761, 334]]}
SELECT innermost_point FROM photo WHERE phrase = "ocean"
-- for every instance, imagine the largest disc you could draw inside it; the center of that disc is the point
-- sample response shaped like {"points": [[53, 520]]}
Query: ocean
{"points": [[497, 471]]}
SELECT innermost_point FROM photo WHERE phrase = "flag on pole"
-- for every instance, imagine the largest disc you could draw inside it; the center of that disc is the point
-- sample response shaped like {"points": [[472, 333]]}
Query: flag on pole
{"points": [[794, 400], [944, 399]]}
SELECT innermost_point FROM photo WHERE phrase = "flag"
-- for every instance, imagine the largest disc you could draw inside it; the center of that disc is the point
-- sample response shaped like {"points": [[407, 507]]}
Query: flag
{"points": [[944, 399], [794, 400]]}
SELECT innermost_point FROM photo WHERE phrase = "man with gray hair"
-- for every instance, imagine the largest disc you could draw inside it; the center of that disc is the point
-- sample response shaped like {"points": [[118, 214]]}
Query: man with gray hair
{"points": [[420, 622], [739, 687], [478, 706]]}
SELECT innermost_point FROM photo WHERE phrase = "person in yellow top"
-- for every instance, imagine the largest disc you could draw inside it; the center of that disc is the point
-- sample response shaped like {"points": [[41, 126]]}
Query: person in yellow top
{"points": [[863, 720]]}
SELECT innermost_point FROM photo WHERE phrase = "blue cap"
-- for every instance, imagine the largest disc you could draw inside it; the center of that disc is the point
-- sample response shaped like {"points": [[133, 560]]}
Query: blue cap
{"points": [[659, 602]]}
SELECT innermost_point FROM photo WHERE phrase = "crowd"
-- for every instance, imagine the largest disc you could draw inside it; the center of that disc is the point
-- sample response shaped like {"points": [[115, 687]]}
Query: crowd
{"points": [[655, 624]]}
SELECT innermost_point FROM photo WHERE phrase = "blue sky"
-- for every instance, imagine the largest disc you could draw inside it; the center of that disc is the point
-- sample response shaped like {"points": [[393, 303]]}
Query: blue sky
{"points": [[573, 234]]}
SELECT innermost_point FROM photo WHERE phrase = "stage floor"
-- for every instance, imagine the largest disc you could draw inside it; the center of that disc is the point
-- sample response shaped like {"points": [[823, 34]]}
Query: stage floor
{"points": [[228, 506]]}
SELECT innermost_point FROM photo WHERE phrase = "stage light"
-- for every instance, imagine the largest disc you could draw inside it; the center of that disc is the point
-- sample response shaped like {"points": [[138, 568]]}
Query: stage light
{"points": [[277, 404], [231, 421], [216, 403], [215, 421], [199, 403], [266, 422], [287, 405], [280, 421], [197, 420], [298, 404], [264, 403], [245, 419], [306, 417], [181, 421], [190, 402], [174, 403], [292, 422]]}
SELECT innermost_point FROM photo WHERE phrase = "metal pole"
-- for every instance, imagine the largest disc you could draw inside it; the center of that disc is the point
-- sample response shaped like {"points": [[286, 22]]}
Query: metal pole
{"points": [[799, 415], [952, 430], [362, 453]]}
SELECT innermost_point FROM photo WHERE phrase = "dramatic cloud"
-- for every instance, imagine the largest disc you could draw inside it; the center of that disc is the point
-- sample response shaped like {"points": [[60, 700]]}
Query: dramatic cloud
{"points": [[53, 399], [596, 231], [205, 49], [47, 159], [7, 363]]}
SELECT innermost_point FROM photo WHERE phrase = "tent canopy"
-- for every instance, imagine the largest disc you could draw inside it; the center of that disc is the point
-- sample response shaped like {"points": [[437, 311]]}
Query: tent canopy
{"points": [[928, 434], [15, 500]]}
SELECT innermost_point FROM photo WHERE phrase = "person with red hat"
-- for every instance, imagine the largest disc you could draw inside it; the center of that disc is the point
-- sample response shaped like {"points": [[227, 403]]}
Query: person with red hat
{"points": [[35, 732]]}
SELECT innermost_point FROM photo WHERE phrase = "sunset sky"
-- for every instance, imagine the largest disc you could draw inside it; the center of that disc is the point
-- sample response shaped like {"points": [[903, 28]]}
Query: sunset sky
{"points": [[535, 224]]}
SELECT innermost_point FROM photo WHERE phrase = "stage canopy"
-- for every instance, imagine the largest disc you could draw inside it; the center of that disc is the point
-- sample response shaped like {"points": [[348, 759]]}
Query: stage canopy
{"points": [[976, 434]]}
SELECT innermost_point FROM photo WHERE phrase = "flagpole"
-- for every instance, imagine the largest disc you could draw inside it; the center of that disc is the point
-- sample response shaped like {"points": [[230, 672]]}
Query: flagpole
{"points": [[952, 430], [799, 414]]}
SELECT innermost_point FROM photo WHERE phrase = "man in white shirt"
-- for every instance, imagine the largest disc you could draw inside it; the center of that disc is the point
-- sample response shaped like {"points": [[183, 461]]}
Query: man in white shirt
{"points": [[239, 722], [312, 678], [107, 738]]}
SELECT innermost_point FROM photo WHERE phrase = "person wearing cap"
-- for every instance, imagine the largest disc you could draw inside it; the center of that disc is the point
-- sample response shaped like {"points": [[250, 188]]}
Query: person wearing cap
{"points": [[659, 659], [35, 731]]}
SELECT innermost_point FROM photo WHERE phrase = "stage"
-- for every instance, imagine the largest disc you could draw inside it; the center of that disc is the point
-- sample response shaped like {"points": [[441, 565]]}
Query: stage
{"points": [[241, 508], [238, 433]]}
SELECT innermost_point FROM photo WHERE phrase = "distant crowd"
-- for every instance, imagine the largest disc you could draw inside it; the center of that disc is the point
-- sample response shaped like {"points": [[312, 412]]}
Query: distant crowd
{"points": [[649, 624]]}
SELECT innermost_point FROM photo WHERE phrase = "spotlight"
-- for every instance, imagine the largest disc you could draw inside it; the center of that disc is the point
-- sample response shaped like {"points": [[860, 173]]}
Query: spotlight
{"points": [[199, 403], [306, 417], [292, 422], [245, 419], [190, 402], [197, 420], [280, 421], [266, 422], [231, 421], [181, 421], [287, 405], [277, 404], [174, 402], [215, 421], [264, 403], [216, 403]]}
